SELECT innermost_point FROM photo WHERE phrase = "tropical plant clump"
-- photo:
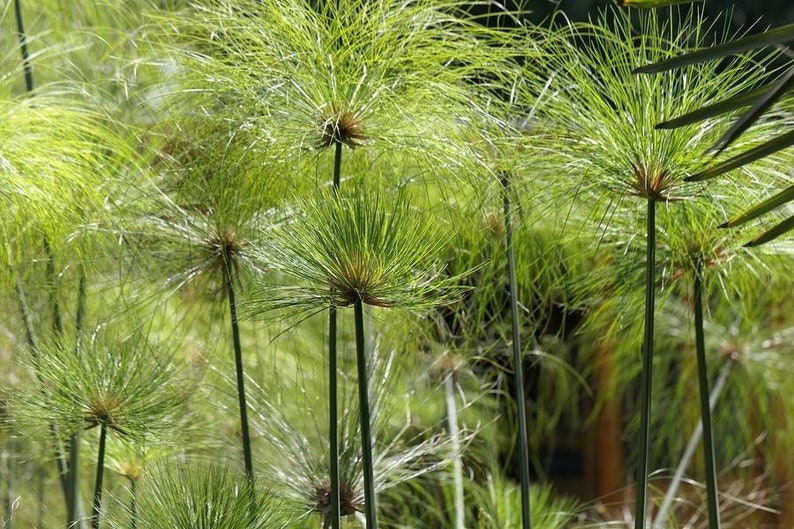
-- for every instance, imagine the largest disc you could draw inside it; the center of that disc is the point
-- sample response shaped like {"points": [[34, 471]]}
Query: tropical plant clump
{"points": [[406, 263]]}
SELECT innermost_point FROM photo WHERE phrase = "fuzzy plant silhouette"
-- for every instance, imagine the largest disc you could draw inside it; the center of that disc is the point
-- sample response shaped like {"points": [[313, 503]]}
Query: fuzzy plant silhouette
{"points": [[351, 250], [607, 118], [761, 100], [120, 386], [207, 495], [298, 460], [198, 226], [312, 78]]}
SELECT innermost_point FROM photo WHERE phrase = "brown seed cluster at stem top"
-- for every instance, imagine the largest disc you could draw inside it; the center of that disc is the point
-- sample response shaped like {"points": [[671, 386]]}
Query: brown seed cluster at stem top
{"points": [[224, 247], [103, 409], [338, 125], [358, 277], [651, 183], [349, 499]]}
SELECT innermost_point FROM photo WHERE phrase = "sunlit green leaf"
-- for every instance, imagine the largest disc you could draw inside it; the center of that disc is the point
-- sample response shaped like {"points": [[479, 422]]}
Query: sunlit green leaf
{"points": [[764, 207], [779, 35], [709, 111], [773, 233], [763, 104], [751, 155]]}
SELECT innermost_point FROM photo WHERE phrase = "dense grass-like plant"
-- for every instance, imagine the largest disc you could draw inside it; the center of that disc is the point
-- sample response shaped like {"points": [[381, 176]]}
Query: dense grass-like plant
{"points": [[351, 250], [122, 386], [761, 100], [200, 495], [306, 78], [298, 458], [384, 75], [609, 117]]}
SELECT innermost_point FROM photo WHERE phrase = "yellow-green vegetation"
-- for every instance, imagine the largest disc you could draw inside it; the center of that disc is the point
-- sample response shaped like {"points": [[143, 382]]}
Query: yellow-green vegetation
{"points": [[395, 263]]}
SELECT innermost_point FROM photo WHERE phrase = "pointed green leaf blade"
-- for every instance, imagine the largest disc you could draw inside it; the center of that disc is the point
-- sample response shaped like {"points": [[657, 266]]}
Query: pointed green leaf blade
{"points": [[778, 35], [772, 203], [783, 85], [727, 105], [751, 155], [773, 233]]}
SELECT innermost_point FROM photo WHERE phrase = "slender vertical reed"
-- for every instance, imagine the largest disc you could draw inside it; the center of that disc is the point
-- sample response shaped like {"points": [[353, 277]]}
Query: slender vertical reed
{"points": [[238, 363], [518, 374], [370, 507], [457, 463], [646, 382], [705, 409], [333, 421], [96, 505]]}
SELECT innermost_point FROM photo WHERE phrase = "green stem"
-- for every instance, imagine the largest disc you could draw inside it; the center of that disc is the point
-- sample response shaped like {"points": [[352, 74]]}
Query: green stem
{"points": [[705, 409], [52, 280], [670, 495], [133, 504], [73, 445], [646, 387], [27, 319], [333, 425], [518, 372], [238, 364], [337, 166], [333, 422], [96, 506], [23, 46], [366, 433], [457, 460], [8, 467]]}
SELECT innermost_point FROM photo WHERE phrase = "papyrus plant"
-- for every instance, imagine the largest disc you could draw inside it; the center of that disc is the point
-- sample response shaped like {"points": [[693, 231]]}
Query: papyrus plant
{"points": [[206, 495], [349, 250], [120, 385], [608, 139], [298, 460]]}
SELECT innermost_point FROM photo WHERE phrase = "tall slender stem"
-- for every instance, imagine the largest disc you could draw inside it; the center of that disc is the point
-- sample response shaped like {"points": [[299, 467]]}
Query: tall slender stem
{"points": [[64, 465], [457, 462], [333, 423], [366, 433], [646, 384], [133, 504], [705, 409], [689, 451], [7, 464], [518, 372], [73, 444], [238, 364], [23, 46], [96, 506]]}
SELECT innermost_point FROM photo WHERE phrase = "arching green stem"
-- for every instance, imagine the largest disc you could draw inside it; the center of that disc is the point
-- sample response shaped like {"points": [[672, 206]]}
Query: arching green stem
{"points": [[646, 383], [370, 507], [705, 409], [518, 373], [96, 506]]}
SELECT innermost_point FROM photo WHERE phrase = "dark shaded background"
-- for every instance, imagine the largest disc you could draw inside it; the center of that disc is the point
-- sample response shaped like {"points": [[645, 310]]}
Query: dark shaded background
{"points": [[744, 12]]}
